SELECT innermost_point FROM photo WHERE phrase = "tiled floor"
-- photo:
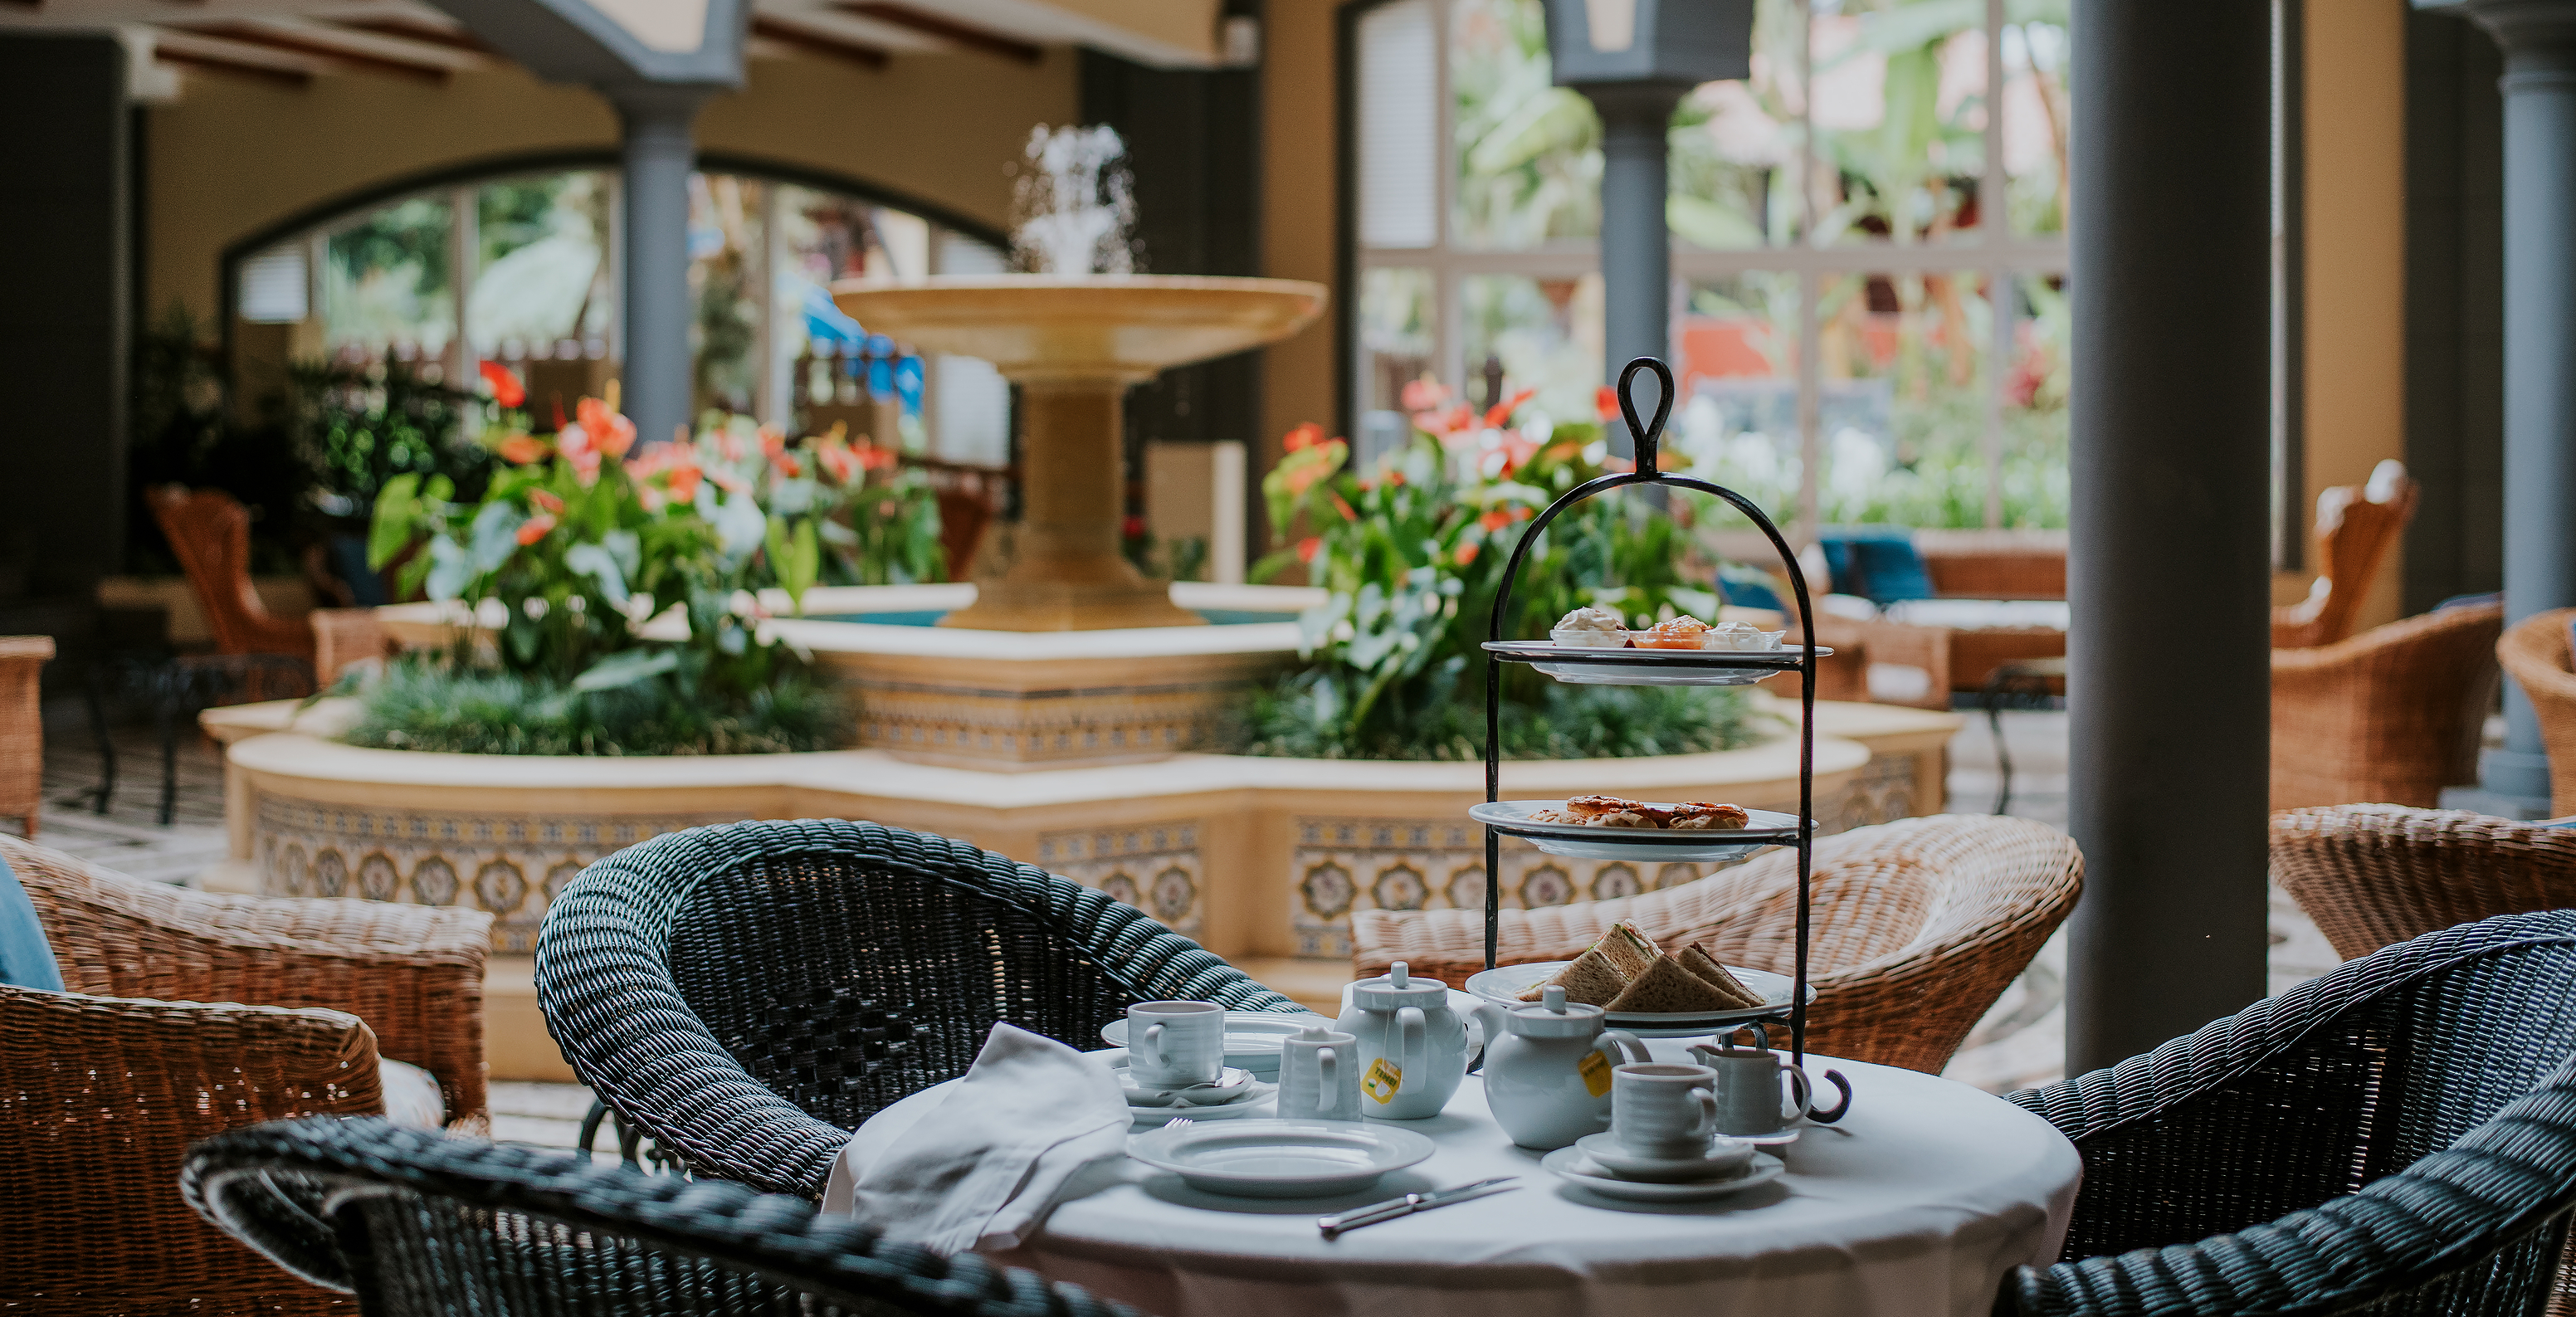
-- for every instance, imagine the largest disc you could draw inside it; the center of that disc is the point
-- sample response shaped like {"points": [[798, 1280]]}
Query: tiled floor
{"points": [[2019, 1043]]}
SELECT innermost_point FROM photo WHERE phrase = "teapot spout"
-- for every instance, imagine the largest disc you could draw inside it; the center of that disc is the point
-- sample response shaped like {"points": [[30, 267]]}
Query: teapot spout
{"points": [[1492, 1022]]}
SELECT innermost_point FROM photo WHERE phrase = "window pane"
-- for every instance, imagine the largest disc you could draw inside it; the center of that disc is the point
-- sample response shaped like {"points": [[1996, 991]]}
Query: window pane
{"points": [[1399, 126], [2035, 118], [1900, 89], [1738, 422], [541, 271], [386, 285], [1736, 157], [1903, 406], [1542, 334], [2034, 405], [724, 254], [1529, 152], [1395, 323]]}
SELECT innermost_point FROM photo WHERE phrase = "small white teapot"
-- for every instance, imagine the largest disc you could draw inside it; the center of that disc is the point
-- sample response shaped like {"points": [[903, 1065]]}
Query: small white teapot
{"points": [[1547, 1068], [1412, 1048]]}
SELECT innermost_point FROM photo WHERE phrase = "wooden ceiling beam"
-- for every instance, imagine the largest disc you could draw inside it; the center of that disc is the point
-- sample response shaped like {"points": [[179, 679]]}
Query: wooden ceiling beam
{"points": [[947, 29], [412, 29], [269, 73], [818, 43], [269, 38]]}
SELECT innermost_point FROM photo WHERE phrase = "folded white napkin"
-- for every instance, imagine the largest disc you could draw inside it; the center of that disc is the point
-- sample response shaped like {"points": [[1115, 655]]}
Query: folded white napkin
{"points": [[978, 1169]]}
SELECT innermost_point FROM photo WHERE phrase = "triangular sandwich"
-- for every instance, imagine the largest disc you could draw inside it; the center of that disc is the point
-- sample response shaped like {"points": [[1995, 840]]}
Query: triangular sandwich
{"points": [[1590, 978], [1667, 988], [1628, 948], [1696, 959]]}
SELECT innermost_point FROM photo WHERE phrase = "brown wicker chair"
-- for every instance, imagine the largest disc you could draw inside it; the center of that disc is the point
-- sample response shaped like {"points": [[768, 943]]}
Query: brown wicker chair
{"points": [[103, 1087], [2389, 716], [209, 533], [343, 638], [1918, 927], [22, 728], [2375, 875], [2356, 527], [2535, 651]]}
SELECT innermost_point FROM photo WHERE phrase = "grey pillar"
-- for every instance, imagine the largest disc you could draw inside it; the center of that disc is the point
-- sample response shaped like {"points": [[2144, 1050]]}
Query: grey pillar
{"points": [[2539, 41], [659, 371], [2169, 671], [1636, 245]]}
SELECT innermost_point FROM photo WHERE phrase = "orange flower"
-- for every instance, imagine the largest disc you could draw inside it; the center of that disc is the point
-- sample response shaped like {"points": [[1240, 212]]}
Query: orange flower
{"points": [[836, 459], [1423, 395], [613, 433], [1308, 547], [522, 449], [1501, 413], [1457, 420], [1347, 514], [1495, 520], [1605, 402], [545, 500], [1393, 476], [875, 458], [506, 388], [1303, 437], [1304, 477], [534, 529], [684, 481], [726, 481], [1467, 552]]}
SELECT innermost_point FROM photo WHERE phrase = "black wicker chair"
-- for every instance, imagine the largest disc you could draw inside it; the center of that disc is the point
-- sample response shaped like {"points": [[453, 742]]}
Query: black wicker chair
{"points": [[746, 995], [2396, 1137], [412, 1223]]}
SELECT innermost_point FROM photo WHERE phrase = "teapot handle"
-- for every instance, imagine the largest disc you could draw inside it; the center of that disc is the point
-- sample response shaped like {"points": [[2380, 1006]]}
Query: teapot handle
{"points": [[1410, 1035], [1622, 1047]]}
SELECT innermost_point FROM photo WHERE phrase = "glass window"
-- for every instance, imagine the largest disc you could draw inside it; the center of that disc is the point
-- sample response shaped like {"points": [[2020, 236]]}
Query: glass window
{"points": [[2035, 115], [1738, 147], [385, 285], [541, 276], [1528, 153]]}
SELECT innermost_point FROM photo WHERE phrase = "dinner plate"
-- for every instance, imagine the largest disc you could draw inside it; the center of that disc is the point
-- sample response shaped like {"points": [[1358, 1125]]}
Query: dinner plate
{"points": [[1251, 1037], [1586, 665], [1260, 1105], [1762, 828], [1505, 984], [1572, 1166], [1280, 1158]]}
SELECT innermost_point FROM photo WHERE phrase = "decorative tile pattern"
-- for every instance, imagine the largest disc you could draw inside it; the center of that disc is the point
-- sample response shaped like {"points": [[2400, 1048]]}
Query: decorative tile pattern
{"points": [[1153, 867], [511, 866], [1030, 727]]}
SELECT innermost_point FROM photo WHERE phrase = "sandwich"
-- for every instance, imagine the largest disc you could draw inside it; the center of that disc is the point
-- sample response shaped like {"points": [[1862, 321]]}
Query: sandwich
{"points": [[1704, 966]]}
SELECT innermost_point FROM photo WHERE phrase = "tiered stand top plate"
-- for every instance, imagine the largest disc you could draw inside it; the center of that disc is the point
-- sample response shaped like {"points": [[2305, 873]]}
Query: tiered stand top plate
{"points": [[1653, 845], [1582, 665]]}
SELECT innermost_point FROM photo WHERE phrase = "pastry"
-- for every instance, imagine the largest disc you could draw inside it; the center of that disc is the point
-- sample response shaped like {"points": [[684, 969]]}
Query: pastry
{"points": [[1676, 633], [1701, 816], [1590, 628], [1667, 988], [1621, 818], [1587, 806], [1740, 637], [1696, 959]]}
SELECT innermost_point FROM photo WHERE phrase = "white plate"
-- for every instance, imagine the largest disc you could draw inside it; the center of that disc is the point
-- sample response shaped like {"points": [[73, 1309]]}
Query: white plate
{"points": [[1505, 983], [1574, 1168], [1251, 1037], [1260, 1104], [1588, 665], [1726, 1159], [1762, 828], [1281, 1158]]}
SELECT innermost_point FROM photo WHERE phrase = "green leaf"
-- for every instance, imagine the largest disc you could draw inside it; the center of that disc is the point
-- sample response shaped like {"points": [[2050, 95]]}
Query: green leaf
{"points": [[597, 563], [626, 668]]}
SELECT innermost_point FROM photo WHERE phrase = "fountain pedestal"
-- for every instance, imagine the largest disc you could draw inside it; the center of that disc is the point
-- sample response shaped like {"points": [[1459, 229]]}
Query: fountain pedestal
{"points": [[1074, 346]]}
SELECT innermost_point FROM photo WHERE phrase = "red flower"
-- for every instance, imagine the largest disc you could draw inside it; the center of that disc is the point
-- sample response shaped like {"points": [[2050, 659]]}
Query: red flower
{"points": [[534, 529], [506, 388], [1605, 400], [874, 458], [1423, 395], [1308, 547], [1500, 413], [613, 433], [1495, 520], [684, 481], [1467, 552], [1393, 476], [1347, 514], [1303, 437], [545, 500], [522, 449]]}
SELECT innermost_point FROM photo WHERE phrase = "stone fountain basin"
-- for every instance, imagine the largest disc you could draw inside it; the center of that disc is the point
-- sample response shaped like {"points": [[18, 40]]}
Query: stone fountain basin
{"points": [[1035, 328]]}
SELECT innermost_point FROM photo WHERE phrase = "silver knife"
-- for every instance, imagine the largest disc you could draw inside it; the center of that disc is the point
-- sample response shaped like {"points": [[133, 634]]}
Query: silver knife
{"points": [[1410, 1204]]}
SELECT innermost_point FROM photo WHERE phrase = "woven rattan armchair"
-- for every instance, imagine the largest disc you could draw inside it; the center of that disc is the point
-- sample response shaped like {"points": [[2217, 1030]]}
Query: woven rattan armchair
{"points": [[1919, 925], [746, 995], [103, 1087], [2399, 1134], [22, 728], [413, 1224], [2535, 651], [2375, 875], [2356, 526], [2391, 715]]}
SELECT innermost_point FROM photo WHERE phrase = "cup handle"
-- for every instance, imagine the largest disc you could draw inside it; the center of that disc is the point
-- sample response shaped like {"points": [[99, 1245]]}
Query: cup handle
{"points": [[1410, 1035], [1802, 1093], [1625, 1047], [1706, 1102], [1150, 1044], [1327, 1073]]}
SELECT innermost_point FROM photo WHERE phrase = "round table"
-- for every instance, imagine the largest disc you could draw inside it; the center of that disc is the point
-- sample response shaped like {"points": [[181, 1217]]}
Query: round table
{"points": [[1917, 1203]]}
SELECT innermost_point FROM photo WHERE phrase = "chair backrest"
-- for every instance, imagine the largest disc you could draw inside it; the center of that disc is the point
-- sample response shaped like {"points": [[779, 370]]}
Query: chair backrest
{"points": [[747, 994], [2536, 651], [414, 1224], [2356, 527], [209, 533], [2444, 1060], [2393, 714], [2372, 876]]}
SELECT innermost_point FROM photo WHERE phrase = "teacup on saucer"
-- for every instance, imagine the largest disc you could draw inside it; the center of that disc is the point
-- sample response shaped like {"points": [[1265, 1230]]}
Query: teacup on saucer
{"points": [[1725, 1157], [1231, 1086]]}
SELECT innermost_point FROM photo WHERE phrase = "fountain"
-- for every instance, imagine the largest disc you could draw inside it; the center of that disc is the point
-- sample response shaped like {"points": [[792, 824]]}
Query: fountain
{"points": [[1074, 334]]}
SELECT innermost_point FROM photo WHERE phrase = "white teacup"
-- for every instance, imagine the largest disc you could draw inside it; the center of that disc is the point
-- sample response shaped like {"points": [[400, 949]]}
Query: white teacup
{"points": [[1173, 1044], [1319, 1075], [1661, 1110]]}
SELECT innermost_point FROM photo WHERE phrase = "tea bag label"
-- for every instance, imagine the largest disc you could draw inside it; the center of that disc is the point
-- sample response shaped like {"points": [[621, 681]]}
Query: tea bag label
{"points": [[1384, 1077], [1595, 1069]]}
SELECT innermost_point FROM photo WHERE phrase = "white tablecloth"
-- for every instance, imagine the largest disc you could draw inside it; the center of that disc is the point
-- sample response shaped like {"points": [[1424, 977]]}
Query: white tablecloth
{"points": [[1917, 1203]]}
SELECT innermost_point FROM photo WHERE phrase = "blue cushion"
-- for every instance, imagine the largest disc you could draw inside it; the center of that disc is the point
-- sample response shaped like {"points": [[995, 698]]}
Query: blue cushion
{"points": [[26, 959], [1741, 586], [1878, 563]]}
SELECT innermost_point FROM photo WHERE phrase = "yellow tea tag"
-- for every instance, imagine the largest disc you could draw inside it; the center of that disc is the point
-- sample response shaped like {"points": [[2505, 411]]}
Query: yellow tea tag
{"points": [[1381, 1081], [1596, 1073]]}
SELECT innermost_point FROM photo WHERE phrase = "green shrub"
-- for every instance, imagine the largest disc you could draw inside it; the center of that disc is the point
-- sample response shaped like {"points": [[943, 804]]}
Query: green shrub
{"points": [[1306, 716], [426, 704]]}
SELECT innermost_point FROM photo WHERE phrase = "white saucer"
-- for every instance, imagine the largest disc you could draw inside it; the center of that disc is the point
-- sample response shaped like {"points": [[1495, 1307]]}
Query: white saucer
{"points": [[1571, 1165], [1259, 1104], [1231, 1086], [1725, 1159], [1281, 1158]]}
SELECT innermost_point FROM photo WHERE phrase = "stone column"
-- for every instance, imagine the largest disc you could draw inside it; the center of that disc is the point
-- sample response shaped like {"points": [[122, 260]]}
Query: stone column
{"points": [[1636, 244], [2169, 673], [658, 151], [2539, 42]]}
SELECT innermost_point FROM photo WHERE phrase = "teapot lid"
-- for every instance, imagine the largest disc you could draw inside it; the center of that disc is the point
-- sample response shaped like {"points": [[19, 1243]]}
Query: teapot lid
{"points": [[1552, 1016], [1397, 989]]}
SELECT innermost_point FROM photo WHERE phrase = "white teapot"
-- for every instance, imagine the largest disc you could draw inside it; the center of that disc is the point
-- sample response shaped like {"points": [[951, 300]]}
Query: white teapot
{"points": [[1547, 1068], [1412, 1048]]}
